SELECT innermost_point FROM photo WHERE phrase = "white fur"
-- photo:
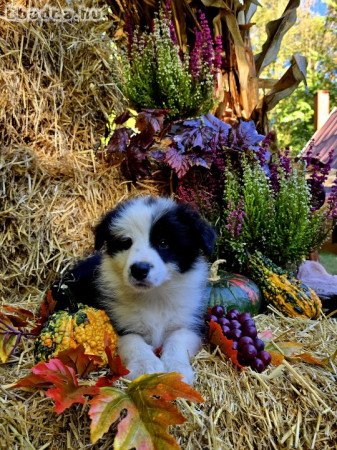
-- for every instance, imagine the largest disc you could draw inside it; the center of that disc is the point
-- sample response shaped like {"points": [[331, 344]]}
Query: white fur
{"points": [[161, 314]]}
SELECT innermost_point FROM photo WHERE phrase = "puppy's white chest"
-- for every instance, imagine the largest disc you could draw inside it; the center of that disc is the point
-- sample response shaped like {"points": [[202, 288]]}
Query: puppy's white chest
{"points": [[155, 324]]}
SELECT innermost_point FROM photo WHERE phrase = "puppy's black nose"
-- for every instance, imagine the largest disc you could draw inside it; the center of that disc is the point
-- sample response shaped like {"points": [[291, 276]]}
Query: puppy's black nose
{"points": [[140, 270]]}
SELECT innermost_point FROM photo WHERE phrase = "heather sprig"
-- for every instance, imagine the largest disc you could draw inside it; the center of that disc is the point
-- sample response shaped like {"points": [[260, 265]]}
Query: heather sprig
{"points": [[157, 75], [217, 52], [332, 202], [235, 217], [207, 48], [285, 161], [319, 171]]}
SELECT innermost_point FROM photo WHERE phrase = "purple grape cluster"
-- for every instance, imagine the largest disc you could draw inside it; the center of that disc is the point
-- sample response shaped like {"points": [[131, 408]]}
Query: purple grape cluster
{"points": [[241, 329]]}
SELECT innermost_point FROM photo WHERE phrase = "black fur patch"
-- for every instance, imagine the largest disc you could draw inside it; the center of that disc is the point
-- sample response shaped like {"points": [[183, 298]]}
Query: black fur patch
{"points": [[180, 235], [78, 285], [104, 235]]}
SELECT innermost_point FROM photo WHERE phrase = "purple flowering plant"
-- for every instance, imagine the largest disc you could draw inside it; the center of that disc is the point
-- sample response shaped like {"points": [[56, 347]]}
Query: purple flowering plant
{"points": [[271, 205], [158, 75]]}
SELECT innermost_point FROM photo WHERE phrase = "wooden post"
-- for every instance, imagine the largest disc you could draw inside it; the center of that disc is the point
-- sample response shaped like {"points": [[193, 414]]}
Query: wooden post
{"points": [[322, 108]]}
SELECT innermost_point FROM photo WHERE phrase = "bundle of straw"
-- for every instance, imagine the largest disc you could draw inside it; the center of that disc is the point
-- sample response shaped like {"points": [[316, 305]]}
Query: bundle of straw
{"points": [[58, 80], [293, 406]]}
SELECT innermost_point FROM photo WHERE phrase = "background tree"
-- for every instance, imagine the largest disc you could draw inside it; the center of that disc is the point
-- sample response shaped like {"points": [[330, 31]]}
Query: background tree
{"points": [[315, 37]]}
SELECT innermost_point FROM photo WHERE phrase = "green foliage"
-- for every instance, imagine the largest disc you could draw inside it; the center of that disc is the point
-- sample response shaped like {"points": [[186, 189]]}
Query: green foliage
{"points": [[157, 77], [329, 261], [293, 118], [276, 221]]}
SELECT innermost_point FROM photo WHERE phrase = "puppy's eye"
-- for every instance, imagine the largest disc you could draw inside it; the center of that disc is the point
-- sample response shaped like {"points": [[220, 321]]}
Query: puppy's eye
{"points": [[163, 244], [125, 243]]}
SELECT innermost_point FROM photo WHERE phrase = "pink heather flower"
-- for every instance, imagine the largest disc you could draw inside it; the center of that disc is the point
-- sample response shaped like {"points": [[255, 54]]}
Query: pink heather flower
{"points": [[235, 218], [195, 56], [285, 162], [168, 16], [274, 177], [207, 48], [308, 156], [173, 33], [319, 174], [332, 202], [168, 8], [218, 51], [262, 154], [325, 170]]}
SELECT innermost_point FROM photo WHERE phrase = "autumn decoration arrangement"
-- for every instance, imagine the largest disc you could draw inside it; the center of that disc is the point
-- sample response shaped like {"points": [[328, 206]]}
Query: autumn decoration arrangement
{"points": [[268, 207]]}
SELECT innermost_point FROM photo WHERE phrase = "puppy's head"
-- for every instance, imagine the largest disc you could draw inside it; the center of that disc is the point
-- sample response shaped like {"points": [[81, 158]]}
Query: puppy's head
{"points": [[149, 239]]}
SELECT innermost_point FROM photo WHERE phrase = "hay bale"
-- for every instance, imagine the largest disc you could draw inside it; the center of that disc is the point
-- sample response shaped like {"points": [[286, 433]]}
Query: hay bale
{"points": [[58, 87], [48, 208], [292, 406], [58, 81]]}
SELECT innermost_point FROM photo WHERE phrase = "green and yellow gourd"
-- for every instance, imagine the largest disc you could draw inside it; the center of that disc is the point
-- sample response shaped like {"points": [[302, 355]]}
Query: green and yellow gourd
{"points": [[88, 326], [284, 291]]}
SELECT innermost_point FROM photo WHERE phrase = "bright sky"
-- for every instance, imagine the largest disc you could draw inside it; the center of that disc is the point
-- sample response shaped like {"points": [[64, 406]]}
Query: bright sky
{"points": [[320, 7]]}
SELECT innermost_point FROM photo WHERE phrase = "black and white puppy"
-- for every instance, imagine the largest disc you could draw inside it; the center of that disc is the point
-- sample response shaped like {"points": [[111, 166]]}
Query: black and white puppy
{"points": [[149, 277]]}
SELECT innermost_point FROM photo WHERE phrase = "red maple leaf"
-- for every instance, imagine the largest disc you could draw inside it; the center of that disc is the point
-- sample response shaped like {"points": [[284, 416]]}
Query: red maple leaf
{"points": [[117, 369], [46, 309], [77, 359], [61, 381], [217, 338]]}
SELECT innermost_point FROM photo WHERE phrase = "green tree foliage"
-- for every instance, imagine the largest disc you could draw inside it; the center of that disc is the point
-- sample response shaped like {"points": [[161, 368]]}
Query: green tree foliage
{"points": [[315, 37]]}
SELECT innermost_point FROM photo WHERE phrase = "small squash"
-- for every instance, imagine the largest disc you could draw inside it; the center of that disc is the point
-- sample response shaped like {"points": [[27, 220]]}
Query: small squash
{"points": [[87, 326], [232, 291], [284, 291]]}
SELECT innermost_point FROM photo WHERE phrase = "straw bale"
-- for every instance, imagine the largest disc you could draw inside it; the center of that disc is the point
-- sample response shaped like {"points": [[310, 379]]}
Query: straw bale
{"points": [[48, 207], [57, 81], [292, 406], [57, 89]]}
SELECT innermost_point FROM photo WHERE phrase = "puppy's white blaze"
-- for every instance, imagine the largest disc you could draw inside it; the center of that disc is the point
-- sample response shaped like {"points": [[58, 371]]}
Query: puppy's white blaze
{"points": [[136, 224], [139, 215], [143, 252]]}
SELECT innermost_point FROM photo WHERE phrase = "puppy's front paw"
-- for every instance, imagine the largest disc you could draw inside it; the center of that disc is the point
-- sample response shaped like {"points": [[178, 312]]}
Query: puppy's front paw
{"points": [[184, 368], [145, 365]]}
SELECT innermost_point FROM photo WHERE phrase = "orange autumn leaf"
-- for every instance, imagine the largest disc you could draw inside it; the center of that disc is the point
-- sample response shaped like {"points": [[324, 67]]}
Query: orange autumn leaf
{"points": [[217, 338], [277, 358], [292, 352], [144, 411], [310, 359]]}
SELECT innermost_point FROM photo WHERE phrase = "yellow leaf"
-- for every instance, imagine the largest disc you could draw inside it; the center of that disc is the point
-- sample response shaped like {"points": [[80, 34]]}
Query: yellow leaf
{"points": [[292, 351], [9, 337]]}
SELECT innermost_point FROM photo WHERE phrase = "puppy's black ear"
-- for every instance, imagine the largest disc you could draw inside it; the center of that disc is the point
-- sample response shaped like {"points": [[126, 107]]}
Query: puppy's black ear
{"points": [[207, 236], [102, 229], [203, 233]]}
